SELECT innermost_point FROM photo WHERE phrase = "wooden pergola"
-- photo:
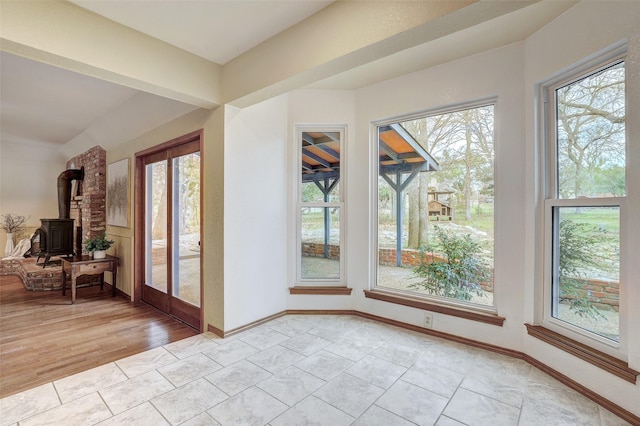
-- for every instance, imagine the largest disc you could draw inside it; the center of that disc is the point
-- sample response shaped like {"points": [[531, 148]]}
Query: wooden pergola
{"points": [[401, 159], [321, 165]]}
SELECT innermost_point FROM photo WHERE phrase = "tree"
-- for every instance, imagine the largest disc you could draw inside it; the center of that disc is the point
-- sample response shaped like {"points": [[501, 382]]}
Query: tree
{"points": [[189, 190], [590, 131], [610, 180], [462, 143], [159, 201], [418, 191], [432, 133]]}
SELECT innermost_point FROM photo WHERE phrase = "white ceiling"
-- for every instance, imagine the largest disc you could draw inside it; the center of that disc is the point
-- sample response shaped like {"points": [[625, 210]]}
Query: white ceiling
{"points": [[198, 26], [48, 104], [44, 104]]}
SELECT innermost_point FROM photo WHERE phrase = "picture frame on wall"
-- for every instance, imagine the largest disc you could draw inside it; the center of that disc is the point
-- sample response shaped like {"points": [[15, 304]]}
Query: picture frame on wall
{"points": [[118, 193]]}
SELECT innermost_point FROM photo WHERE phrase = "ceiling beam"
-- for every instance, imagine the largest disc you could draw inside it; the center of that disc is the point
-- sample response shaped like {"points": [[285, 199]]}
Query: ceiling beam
{"points": [[361, 32], [62, 34]]}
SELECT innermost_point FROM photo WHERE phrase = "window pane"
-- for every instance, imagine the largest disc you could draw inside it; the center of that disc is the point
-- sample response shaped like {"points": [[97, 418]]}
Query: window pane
{"points": [[435, 195], [320, 161], [186, 228], [320, 243], [591, 135], [156, 226], [587, 271]]}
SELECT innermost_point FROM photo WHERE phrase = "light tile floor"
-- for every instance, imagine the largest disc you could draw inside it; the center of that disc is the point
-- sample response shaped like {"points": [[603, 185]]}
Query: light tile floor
{"points": [[308, 370]]}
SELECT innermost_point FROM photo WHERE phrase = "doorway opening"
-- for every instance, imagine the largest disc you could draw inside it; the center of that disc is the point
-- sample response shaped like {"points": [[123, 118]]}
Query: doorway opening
{"points": [[169, 228]]}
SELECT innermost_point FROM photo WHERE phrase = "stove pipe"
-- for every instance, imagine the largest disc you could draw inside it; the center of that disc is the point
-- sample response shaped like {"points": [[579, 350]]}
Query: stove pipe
{"points": [[64, 190]]}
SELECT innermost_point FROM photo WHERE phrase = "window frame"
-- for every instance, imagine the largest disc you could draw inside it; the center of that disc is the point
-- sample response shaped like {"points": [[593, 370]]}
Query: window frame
{"points": [[453, 307], [550, 200], [320, 283]]}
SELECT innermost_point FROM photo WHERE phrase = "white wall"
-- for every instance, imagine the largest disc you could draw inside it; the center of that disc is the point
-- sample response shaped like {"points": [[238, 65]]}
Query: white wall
{"points": [[28, 182], [323, 108], [255, 212], [508, 74], [579, 33]]}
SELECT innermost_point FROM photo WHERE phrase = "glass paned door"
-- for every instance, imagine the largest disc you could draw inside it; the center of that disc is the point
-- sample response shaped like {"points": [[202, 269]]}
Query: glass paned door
{"points": [[156, 226], [186, 228], [172, 223]]}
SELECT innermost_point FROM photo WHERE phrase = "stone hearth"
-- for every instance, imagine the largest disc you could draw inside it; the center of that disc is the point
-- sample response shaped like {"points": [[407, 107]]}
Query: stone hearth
{"points": [[36, 278]]}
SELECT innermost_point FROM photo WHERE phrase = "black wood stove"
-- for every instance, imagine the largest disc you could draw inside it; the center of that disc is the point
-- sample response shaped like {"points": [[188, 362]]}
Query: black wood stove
{"points": [[56, 235], [56, 238]]}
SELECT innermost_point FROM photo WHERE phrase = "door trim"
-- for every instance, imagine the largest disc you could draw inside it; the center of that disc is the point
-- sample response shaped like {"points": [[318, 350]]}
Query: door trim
{"points": [[139, 219]]}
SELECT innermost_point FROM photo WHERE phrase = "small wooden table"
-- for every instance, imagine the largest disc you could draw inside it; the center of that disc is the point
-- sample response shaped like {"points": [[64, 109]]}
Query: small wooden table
{"points": [[86, 265]]}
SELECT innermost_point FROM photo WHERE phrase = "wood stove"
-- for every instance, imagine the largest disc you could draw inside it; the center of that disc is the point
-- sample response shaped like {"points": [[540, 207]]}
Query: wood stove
{"points": [[56, 235], [56, 238]]}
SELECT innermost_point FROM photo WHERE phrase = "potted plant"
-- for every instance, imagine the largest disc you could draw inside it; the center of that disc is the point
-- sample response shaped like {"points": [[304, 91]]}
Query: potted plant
{"points": [[11, 224], [98, 246]]}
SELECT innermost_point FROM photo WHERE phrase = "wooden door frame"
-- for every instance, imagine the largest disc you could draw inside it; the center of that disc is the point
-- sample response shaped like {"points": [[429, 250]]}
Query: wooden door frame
{"points": [[139, 219]]}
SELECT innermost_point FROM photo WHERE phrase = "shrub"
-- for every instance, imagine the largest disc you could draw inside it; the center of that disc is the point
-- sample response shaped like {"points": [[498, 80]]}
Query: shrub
{"points": [[580, 245], [460, 271]]}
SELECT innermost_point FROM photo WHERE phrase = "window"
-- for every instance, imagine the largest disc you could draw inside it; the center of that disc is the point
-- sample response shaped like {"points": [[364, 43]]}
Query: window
{"points": [[435, 205], [320, 206], [584, 206]]}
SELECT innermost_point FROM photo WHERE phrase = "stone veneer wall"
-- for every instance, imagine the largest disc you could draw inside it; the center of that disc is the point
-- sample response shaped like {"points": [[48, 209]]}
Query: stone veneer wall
{"points": [[90, 203]]}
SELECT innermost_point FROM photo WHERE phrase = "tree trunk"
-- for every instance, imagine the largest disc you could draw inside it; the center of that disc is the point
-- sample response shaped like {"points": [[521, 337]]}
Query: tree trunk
{"points": [[413, 218], [159, 231], [467, 176], [424, 209], [394, 202]]}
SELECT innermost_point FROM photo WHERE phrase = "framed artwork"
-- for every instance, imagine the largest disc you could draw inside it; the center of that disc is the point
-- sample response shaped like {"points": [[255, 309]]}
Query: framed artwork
{"points": [[118, 193]]}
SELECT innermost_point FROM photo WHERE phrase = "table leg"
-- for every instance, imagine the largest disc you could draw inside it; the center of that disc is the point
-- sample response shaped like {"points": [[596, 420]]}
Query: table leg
{"points": [[64, 280], [113, 274], [73, 288]]}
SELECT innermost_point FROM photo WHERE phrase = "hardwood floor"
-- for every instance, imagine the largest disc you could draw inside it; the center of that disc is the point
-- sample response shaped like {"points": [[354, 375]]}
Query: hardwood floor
{"points": [[43, 337]]}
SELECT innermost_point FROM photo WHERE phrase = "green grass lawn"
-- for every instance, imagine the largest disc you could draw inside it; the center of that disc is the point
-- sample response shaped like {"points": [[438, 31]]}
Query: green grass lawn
{"points": [[481, 218], [607, 218]]}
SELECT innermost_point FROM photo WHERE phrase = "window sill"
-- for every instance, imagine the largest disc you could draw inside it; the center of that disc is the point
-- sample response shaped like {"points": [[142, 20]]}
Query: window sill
{"points": [[341, 291], [586, 353], [488, 318]]}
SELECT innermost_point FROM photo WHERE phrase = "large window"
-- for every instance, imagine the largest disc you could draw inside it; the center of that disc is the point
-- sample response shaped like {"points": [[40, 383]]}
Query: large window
{"points": [[320, 206], [435, 206], [585, 185]]}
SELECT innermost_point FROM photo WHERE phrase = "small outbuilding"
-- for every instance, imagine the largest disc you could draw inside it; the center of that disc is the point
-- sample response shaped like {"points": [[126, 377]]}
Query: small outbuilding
{"points": [[439, 209]]}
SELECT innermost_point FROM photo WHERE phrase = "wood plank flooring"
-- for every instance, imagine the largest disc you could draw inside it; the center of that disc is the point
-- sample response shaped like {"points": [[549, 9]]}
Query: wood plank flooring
{"points": [[43, 337]]}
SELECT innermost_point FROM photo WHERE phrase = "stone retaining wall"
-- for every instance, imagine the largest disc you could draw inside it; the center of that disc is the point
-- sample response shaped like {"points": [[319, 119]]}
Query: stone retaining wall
{"points": [[317, 250], [603, 294]]}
